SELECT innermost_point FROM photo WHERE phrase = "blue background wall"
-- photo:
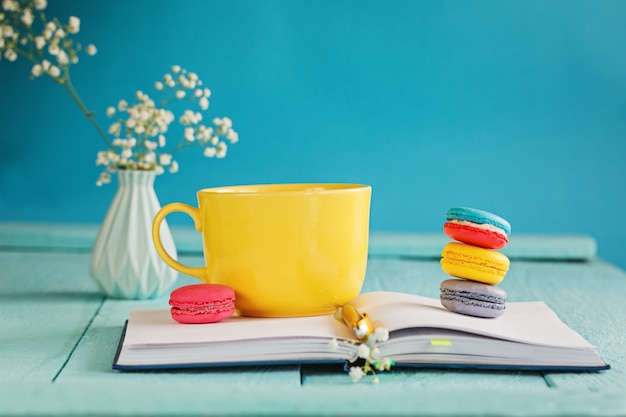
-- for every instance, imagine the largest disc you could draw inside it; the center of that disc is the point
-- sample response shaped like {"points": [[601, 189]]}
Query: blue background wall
{"points": [[511, 106]]}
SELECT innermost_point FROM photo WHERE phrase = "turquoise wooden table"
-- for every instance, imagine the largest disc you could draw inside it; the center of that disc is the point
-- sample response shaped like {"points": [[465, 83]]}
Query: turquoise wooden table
{"points": [[58, 336]]}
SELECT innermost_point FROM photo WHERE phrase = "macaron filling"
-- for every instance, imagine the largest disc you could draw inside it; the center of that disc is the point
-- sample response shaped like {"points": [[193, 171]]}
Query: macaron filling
{"points": [[479, 217], [481, 226], [472, 307], [471, 295], [201, 309]]}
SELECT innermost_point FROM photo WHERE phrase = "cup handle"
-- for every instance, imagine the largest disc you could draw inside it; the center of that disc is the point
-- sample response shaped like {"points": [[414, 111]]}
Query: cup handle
{"points": [[198, 272]]}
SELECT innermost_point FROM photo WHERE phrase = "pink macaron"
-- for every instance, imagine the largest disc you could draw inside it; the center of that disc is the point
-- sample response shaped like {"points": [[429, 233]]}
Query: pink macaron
{"points": [[202, 303]]}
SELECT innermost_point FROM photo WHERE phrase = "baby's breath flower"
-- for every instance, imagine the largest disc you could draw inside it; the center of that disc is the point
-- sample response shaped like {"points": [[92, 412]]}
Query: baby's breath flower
{"points": [[190, 134], [27, 17], [74, 25], [151, 145], [165, 159], [381, 334], [115, 129], [103, 158], [10, 5], [105, 178], [367, 353], [356, 373], [363, 351], [221, 150], [152, 131], [62, 58], [91, 49], [53, 49], [7, 31], [54, 71], [40, 42], [10, 54], [232, 136], [37, 70]]}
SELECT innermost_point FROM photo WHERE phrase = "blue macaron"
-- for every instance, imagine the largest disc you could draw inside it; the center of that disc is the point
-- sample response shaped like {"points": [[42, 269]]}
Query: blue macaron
{"points": [[473, 298], [478, 216]]}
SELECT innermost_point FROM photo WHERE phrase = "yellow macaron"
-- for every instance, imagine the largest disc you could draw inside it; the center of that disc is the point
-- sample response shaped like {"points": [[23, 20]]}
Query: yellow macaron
{"points": [[474, 263]]}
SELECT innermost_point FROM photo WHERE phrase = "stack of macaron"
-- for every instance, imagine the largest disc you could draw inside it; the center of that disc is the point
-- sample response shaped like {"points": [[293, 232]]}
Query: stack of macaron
{"points": [[473, 258]]}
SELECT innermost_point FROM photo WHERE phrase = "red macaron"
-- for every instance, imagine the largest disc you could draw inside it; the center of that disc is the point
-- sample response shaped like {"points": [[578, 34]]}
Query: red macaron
{"points": [[202, 303], [477, 227]]}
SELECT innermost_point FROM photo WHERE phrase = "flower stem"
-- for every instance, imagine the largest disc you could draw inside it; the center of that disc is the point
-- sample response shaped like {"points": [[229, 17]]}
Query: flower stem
{"points": [[67, 85], [69, 88]]}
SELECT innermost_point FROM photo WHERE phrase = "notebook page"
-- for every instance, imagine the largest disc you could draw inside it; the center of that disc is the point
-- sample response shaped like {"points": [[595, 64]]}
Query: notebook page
{"points": [[529, 322], [152, 326]]}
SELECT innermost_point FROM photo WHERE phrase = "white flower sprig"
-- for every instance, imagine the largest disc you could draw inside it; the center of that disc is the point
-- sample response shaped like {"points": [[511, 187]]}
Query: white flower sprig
{"points": [[370, 354], [137, 138], [139, 129], [47, 43]]}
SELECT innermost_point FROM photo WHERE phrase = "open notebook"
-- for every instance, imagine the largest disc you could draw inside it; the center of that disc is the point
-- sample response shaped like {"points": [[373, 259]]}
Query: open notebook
{"points": [[422, 333]]}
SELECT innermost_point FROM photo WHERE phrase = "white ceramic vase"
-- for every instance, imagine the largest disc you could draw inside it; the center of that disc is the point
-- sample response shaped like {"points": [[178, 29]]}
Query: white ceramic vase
{"points": [[124, 262]]}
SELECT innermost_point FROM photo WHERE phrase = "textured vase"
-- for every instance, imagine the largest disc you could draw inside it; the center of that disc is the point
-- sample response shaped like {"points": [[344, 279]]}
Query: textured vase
{"points": [[124, 262]]}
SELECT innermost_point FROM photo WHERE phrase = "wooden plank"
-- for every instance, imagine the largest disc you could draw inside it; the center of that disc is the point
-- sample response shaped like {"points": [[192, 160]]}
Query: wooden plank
{"points": [[521, 246], [61, 237], [588, 297], [121, 397], [46, 303], [80, 237]]}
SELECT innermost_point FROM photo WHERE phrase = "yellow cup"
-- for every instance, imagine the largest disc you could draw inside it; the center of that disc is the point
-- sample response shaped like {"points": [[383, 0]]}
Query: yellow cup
{"points": [[286, 249]]}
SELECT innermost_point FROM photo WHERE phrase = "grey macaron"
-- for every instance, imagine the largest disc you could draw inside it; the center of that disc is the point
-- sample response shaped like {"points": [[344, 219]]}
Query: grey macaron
{"points": [[473, 298]]}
